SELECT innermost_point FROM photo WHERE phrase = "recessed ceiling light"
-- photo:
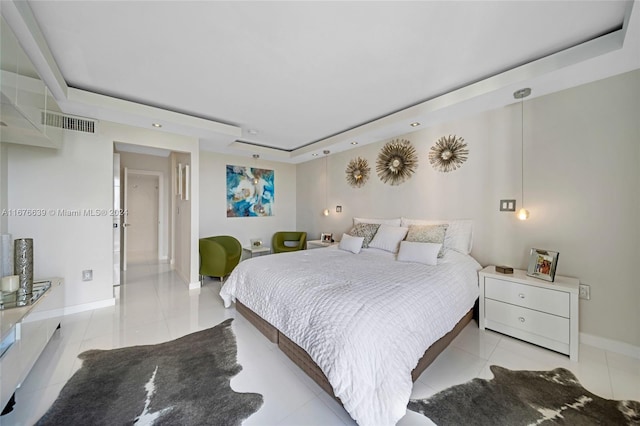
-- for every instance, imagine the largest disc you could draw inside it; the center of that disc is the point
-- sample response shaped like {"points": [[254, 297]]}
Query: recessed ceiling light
{"points": [[415, 124], [354, 143], [156, 124], [252, 131], [315, 154]]}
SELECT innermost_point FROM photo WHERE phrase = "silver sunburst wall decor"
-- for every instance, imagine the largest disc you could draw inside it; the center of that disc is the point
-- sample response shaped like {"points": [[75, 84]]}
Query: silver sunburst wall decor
{"points": [[357, 172], [448, 153], [397, 161]]}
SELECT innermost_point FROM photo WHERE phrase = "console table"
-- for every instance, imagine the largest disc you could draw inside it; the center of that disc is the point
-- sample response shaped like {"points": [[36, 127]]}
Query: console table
{"points": [[25, 329]]}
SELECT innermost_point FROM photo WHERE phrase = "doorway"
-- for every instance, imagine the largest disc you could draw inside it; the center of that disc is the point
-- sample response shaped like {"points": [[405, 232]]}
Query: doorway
{"points": [[142, 201]]}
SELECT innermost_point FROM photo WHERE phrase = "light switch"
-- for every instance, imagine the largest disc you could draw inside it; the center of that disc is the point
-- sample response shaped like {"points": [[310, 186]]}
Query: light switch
{"points": [[507, 205]]}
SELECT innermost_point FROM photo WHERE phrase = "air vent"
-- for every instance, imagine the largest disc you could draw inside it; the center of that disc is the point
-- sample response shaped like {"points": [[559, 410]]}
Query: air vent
{"points": [[68, 122]]}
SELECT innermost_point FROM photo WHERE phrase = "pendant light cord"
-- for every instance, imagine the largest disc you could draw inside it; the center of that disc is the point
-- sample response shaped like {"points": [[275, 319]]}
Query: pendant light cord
{"points": [[326, 153], [326, 183], [522, 149]]}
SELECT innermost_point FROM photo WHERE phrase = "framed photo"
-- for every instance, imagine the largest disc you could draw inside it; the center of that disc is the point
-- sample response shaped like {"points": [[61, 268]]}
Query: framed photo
{"points": [[256, 243], [542, 264], [326, 238]]}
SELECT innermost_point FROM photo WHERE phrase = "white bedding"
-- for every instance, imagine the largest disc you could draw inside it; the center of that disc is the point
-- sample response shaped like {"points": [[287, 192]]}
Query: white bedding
{"points": [[365, 319]]}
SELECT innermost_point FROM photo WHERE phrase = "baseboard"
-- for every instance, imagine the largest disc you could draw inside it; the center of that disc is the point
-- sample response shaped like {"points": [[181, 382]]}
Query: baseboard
{"points": [[193, 286], [610, 345], [69, 310]]}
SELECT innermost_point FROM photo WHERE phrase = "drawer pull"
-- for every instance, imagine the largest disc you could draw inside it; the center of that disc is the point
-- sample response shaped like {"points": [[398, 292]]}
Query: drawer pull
{"points": [[521, 319], [521, 296]]}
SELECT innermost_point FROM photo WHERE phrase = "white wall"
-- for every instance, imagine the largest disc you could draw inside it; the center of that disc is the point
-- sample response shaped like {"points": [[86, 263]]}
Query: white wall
{"points": [[213, 189], [76, 177], [582, 180], [4, 219]]}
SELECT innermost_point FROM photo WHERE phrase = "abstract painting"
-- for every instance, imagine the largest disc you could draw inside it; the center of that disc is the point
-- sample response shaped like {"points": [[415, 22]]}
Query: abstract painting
{"points": [[250, 191]]}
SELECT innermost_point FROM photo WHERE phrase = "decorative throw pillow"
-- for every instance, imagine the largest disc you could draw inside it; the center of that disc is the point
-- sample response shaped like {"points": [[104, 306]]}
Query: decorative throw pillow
{"points": [[459, 233], [350, 243], [388, 238], [426, 253], [390, 222], [366, 230], [428, 234]]}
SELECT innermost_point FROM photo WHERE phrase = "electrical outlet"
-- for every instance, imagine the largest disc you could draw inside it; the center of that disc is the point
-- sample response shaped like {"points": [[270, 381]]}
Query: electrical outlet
{"points": [[585, 292], [87, 275]]}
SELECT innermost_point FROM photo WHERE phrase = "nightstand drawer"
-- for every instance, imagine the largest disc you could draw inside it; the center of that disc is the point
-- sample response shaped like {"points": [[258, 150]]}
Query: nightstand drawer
{"points": [[540, 299], [528, 320]]}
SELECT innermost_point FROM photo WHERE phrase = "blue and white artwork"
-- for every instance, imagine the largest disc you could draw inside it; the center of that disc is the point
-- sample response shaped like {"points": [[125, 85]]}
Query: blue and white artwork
{"points": [[250, 191]]}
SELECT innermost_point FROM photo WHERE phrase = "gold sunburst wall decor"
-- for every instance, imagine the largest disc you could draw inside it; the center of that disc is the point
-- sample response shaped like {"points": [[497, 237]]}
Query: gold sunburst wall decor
{"points": [[448, 153], [357, 172], [397, 161]]}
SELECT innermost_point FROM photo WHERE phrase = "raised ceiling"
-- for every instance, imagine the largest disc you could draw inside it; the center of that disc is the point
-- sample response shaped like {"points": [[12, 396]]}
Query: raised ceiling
{"points": [[301, 76]]}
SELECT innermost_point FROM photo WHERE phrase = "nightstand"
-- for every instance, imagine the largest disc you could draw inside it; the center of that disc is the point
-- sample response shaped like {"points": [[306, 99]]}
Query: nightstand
{"points": [[530, 309], [313, 244], [256, 251]]}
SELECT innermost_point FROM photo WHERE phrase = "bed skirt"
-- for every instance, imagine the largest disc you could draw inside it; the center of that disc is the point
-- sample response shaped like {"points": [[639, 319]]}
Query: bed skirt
{"points": [[304, 361]]}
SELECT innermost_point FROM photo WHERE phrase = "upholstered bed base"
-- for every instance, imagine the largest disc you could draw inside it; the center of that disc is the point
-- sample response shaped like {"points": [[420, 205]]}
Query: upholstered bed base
{"points": [[304, 361]]}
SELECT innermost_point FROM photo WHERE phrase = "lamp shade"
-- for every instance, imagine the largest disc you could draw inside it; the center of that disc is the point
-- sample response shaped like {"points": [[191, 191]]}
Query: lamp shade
{"points": [[523, 214]]}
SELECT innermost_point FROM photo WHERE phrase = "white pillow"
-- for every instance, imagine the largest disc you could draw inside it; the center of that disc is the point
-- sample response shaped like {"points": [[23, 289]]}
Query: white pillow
{"points": [[459, 236], [426, 253], [390, 222], [388, 238], [351, 243]]}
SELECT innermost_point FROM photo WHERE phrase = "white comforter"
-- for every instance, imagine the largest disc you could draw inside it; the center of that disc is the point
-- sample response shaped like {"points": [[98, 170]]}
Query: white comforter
{"points": [[365, 319]]}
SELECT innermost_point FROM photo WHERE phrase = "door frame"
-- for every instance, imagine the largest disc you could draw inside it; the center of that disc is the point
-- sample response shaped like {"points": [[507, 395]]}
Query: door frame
{"points": [[162, 220]]}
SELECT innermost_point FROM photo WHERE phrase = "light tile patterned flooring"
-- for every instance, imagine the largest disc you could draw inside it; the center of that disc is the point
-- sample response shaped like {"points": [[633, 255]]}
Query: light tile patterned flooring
{"points": [[154, 305]]}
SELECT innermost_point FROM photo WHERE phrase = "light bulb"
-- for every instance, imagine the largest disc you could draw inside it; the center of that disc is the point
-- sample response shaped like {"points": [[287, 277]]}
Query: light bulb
{"points": [[523, 214], [326, 212]]}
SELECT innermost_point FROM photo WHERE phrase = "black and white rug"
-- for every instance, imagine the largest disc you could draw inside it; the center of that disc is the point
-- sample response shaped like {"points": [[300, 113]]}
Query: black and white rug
{"points": [[181, 382], [525, 398]]}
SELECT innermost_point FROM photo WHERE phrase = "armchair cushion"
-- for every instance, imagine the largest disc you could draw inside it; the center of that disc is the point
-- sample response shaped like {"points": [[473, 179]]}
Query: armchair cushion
{"points": [[286, 241]]}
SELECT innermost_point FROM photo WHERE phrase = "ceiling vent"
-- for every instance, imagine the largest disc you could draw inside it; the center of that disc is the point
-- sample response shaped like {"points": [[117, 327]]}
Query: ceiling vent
{"points": [[68, 122]]}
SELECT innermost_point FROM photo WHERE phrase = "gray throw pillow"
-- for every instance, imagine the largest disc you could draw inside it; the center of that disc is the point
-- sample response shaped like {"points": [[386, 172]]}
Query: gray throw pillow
{"points": [[428, 234], [366, 230]]}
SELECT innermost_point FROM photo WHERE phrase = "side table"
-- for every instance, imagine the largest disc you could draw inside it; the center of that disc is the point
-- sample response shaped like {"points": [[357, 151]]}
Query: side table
{"points": [[256, 251]]}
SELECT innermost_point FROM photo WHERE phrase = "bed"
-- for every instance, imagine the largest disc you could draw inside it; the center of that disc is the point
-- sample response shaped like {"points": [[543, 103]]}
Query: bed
{"points": [[364, 325]]}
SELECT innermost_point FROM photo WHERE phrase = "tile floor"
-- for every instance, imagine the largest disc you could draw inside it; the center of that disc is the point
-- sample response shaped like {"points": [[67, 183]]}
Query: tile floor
{"points": [[154, 306]]}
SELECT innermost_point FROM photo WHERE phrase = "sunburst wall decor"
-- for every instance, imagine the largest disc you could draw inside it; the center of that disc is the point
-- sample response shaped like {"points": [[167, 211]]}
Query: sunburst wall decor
{"points": [[448, 153], [397, 161], [357, 172]]}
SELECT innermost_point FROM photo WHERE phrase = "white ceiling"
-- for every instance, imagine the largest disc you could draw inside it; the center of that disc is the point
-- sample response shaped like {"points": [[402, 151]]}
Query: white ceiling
{"points": [[307, 76]]}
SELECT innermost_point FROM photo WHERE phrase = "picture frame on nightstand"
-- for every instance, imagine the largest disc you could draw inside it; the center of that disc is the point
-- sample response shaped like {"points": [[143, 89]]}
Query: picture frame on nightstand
{"points": [[326, 238], [542, 264], [256, 243]]}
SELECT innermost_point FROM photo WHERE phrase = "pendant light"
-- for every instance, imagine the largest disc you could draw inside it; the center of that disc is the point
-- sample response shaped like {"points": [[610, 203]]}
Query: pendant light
{"points": [[325, 212], [523, 214]]}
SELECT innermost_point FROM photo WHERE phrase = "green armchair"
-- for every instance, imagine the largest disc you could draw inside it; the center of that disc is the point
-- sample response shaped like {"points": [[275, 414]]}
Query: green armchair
{"points": [[219, 255], [283, 242]]}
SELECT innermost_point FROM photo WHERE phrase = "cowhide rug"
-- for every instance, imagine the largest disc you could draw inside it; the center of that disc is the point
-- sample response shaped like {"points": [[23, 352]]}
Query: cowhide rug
{"points": [[525, 398], [181, 382]]}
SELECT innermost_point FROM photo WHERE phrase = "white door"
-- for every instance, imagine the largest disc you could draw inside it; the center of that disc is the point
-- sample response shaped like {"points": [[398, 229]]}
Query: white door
{"points": [[142, 197]]}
